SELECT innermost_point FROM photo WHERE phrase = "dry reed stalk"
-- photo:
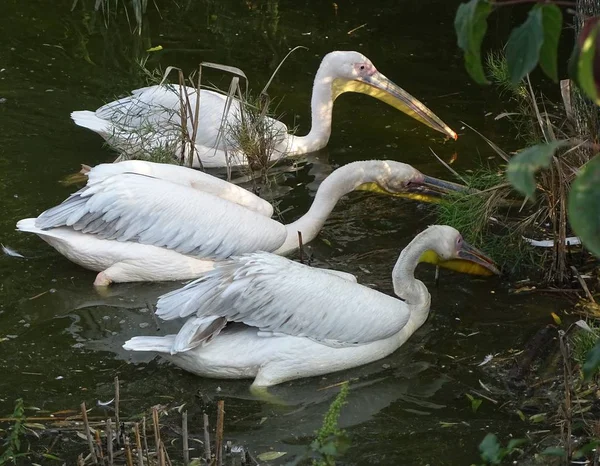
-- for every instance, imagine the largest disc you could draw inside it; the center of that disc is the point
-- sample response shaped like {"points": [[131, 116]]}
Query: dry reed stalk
{"points": [[109, 441], [206, 438], [184, 435], [88, 433], [196, 119], [161, 455], [128, 454], [145, 440], [99, 445], [567, 407], [155, 423], [117, 401], [138, 444], [219, 434]]}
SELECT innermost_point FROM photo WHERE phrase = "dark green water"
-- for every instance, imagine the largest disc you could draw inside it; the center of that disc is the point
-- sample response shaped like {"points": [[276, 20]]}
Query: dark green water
{"points": [[63, 347]]}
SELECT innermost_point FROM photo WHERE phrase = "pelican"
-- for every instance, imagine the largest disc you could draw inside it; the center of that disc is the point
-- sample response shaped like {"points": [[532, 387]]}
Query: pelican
{"points": [[150, 117], [184, 176], [300, 321], [134, 227]]}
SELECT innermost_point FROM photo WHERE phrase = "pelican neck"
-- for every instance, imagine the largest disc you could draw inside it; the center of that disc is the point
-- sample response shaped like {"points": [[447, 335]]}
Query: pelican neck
{"points": [[321, 109]]}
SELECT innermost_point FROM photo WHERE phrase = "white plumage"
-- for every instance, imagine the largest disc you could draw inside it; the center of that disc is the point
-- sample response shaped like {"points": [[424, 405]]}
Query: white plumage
{"points": [[174, 229], [298, 321], [150, 118]]}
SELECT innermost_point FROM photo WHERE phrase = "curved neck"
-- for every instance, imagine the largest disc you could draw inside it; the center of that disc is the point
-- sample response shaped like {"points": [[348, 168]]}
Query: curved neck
{"points": [[321, 105], [342, 181]]}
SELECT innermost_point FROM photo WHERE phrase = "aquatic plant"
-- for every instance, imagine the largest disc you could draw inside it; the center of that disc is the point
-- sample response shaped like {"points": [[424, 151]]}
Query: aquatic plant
{"points": [[12, 447], [331, 441]]}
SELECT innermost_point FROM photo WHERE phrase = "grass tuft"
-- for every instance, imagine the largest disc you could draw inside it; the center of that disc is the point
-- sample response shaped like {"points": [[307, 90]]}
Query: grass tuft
{"points": [[475, 215]]}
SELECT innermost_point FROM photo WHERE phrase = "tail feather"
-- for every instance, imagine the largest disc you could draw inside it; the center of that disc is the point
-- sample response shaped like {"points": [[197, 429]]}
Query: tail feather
{"points": [[157, 344], [197, 331], [28, 225], [89, 120]]}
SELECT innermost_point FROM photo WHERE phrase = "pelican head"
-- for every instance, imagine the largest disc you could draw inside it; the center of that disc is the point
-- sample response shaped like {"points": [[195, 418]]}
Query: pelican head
{"points": [[353, 72], [451, 251], [402, 180]]}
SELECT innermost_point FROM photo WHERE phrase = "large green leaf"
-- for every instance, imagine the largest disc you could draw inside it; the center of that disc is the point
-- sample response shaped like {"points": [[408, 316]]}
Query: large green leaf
{"points": [[592, 362], [552, 24], [584, 205], [588, 61], [523, 46], [523, 166], [470, 25]]}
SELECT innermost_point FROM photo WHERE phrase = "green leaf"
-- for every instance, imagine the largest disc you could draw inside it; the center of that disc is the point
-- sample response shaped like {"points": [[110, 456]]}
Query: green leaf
{"points": [[552, 24], [588, 59], [490, 449], [554, 451], [524, 45], [470, 24], [514, 443], [522, 167], [584, 200], [592, 362]]}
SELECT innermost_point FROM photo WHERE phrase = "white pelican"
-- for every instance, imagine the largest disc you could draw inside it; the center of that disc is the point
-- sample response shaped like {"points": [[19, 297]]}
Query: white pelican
{"points": [[300, 321], [133, 227], [181, 175], [150, 117]]}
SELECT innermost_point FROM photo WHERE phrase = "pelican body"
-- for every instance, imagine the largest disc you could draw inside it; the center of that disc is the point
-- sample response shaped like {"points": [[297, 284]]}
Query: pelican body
{"points": [[292, 321], [149, 222], [150, 118]]}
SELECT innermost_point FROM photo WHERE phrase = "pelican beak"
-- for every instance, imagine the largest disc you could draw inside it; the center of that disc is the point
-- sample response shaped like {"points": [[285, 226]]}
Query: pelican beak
{"points": [[431, 189], [380, 87], [472, 261]]}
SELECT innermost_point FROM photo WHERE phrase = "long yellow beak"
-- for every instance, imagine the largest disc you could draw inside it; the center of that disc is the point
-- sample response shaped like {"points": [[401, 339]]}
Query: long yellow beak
{"points": [[380, 87], [469, 260]]}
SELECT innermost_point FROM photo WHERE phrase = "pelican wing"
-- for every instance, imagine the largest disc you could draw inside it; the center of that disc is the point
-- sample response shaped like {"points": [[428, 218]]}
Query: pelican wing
{"points": [[184, 176], [139, 208], [158, 109], [277, 295]]}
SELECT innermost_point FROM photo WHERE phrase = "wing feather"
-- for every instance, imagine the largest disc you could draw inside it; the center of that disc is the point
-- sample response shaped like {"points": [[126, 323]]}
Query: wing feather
{"points": [[139, 208], [277, 295]]}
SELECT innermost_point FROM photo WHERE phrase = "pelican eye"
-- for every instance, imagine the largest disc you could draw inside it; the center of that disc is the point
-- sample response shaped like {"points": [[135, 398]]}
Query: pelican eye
{"points": [[362, 67]]}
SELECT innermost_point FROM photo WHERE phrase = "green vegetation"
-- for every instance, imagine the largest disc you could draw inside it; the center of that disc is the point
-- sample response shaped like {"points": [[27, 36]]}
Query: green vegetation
{"points": [[331, 442]]}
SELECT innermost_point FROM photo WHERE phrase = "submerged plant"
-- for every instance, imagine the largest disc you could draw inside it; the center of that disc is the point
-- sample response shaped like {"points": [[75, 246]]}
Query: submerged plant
{"points": [[331, 441]]}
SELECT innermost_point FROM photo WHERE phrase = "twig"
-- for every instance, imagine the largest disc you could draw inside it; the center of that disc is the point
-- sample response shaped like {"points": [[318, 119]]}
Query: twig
{"points": [[147, 453], [99, 444], [88, 434], [184, 435], [452, 170], [300, 247], [117, 420], [156, 430], [206, 439], [196, 119], [109, 441], [138, 444], [219, 435], [583, 284], [128, 454], [356, 28]]}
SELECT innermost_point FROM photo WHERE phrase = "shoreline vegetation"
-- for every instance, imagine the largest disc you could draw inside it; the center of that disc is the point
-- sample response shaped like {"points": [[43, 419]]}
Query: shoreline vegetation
{"points": [[162, 435]]}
